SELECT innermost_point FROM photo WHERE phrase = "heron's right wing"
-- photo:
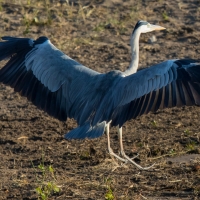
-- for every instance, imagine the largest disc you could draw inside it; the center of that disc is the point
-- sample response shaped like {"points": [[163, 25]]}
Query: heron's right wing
{"points": [[50, 79], [168, 84]]}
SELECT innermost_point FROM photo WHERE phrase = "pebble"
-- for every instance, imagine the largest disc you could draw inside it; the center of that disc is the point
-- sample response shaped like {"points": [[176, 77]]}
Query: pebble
{"points": [[152, 39]]}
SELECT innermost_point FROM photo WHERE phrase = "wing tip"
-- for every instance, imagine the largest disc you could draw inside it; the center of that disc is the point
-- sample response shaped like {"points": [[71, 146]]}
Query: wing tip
{"points": [[41, 40]]}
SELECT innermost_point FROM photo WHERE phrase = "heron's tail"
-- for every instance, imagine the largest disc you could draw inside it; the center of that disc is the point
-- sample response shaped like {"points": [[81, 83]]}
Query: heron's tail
{"points": [[87, 131]]}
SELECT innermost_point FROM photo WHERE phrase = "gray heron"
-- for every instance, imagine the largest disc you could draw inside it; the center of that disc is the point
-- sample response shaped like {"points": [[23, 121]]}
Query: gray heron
{"points": [[64, 88]]}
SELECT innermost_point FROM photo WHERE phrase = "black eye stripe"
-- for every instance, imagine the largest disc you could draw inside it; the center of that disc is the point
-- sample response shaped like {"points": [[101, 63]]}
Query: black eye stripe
{"points": [[139, 23]]}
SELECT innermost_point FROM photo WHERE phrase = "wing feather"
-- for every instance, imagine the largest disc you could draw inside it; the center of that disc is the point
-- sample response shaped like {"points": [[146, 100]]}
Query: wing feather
{"points": [[50, 79], [181, 88], [64, 88]]}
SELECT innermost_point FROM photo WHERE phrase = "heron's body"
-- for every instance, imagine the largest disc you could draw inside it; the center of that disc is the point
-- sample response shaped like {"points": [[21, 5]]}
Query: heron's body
{"points": [[65, 89]]}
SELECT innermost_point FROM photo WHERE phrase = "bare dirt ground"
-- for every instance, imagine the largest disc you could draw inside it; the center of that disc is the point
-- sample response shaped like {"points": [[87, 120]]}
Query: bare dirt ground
{"points": [[97, 33]]}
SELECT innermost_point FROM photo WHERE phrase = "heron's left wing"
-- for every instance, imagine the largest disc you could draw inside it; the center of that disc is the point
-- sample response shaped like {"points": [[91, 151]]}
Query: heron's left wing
{"points": [[50, 79]]}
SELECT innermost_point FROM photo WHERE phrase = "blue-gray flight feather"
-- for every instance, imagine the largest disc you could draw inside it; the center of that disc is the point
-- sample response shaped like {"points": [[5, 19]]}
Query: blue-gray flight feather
{"points": [[50, 79], [184, 81], [64, 88]]}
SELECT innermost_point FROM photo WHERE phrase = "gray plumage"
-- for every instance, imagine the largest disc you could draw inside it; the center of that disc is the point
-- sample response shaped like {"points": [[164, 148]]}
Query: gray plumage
{"points": [[64, 88]]}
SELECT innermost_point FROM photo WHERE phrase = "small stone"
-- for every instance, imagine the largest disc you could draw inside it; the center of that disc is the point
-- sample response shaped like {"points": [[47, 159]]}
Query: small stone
{"points": [[152, 39]]}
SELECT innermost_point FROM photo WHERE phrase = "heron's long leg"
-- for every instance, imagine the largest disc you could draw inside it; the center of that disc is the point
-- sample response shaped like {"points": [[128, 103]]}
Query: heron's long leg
{"points": [[121, 143], [120, 140], [109, 148], [125, 156]]}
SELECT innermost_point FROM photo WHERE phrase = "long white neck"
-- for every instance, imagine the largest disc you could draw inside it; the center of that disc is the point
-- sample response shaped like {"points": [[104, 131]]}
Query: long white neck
{"points": [[135, 54]]}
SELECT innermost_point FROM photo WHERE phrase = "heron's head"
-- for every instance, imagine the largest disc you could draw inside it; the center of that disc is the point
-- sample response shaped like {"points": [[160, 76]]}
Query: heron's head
{"points": [[145, 27]]}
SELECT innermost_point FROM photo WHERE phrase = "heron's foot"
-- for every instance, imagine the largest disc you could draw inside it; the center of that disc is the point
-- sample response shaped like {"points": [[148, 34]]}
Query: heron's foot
{"points": [[122, 153], [126, 159], [115, 155], [133, 162]]}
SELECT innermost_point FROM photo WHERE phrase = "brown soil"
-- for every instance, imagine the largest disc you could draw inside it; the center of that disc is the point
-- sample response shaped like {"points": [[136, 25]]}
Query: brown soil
{"points": [[97, 33]]}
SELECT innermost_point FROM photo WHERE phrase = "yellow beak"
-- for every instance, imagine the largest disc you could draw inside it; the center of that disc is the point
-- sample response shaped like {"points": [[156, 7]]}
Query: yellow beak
{"points": [[157, 28]]}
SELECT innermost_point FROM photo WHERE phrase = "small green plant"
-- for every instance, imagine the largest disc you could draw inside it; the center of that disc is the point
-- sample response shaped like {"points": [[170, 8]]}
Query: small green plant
{"points": [[100, 27], [35, 21], [1, 8], [39, 17], [28, 2], [85, 155], [187, 132], [133, 13], [154, 123], [191, 146], [139, 144], [172, 151], [45, 189], [109, 194], [79, 41], [46, 182], [165, 16], [27, 24]]}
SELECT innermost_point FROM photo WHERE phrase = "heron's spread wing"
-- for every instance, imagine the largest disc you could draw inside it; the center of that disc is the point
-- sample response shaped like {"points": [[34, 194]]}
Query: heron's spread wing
{"points": [[50, 79], [168, 84], [64, 88]]}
